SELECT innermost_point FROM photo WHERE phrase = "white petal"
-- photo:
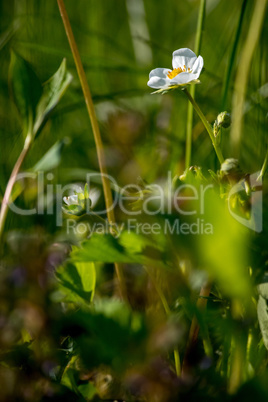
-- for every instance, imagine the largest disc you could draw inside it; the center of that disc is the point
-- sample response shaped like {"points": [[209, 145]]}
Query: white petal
{"points": [[74, 199], [159, 72], [94, 195], [66, 200], [198, 65], [78, 189], [183, 57], [71, 200], [184, 78], [158, 82]]}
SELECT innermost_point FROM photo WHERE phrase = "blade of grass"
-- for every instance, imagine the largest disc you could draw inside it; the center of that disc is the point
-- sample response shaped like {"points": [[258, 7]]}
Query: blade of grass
{"points": [[230, 65], [95, 128], [189, 124], [242, 74]]}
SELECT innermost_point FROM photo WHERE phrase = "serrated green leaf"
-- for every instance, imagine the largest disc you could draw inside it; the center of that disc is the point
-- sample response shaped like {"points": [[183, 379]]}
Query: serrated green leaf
{"points": [[53, 90], [26, 89], [130, 247], [103, 248]]}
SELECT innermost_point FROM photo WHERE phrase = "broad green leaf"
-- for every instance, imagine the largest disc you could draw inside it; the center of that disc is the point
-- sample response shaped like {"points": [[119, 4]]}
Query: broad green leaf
{"points": [[26, 89], [77, 282], [103, 248], [87, 273], [53, 90], [52, 157], [128, 248], [33, 101]]}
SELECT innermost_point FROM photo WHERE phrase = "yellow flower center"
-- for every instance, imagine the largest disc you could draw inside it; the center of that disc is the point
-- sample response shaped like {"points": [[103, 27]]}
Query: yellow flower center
{"points": [[176, 71]]}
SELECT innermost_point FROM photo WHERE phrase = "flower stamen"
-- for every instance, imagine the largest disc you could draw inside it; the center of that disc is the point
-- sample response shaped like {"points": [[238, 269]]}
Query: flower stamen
{"points": [[176, 71]]}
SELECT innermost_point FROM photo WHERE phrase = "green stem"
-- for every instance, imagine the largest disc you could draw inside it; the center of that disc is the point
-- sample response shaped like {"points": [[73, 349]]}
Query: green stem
{"points": [[95, 128], [168, 313], [206, 124], [189, 126], [264, 167], [11, 182]]}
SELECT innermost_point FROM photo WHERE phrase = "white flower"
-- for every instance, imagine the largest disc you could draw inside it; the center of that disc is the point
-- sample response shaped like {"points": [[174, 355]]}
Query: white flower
{"points": [[71, 199], [93, 195], [186, 69]]}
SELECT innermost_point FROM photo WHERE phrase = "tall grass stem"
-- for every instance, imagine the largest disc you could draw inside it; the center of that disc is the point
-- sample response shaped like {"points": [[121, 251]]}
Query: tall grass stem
{"points": [[189, 124], [95, 128]]}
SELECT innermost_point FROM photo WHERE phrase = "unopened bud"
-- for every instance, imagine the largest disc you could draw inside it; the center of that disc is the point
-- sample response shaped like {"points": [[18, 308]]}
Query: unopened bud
{"points": [[224, 119], [230, 166]]}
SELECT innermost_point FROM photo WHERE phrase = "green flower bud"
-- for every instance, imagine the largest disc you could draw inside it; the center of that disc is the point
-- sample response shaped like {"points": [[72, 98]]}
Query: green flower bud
{"points": [[223, 120], [230, 166]]}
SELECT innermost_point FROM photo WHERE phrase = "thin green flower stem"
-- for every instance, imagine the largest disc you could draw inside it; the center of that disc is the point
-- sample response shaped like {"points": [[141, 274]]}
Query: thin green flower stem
{"points": [[95, 128], [168, 313], [189, 125], [206, 124], [264, 167], [242, 75], [11, 182]]}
